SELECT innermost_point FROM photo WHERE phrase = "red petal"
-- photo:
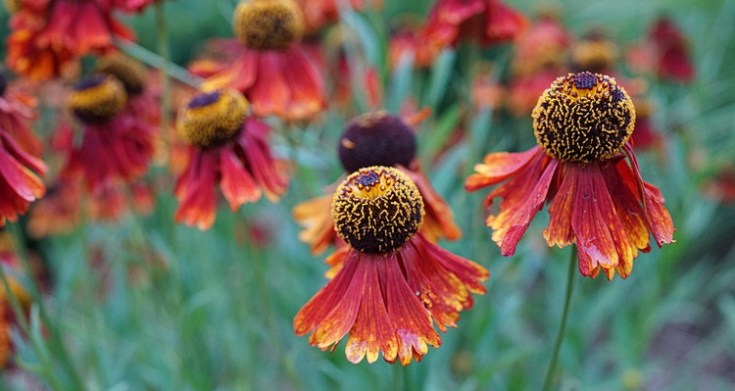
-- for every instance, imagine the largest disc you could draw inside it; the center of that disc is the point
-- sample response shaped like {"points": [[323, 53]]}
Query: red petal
{"points": [[331, 313], [523, 196], [195, 190], [594, 222], [374, 330], [559, 231], [443, 281], [439, 220], [237, 185], [411, 321]]}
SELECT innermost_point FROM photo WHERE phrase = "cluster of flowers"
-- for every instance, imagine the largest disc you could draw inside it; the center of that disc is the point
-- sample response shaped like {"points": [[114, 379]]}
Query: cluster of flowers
{"points": [[390, 283]]}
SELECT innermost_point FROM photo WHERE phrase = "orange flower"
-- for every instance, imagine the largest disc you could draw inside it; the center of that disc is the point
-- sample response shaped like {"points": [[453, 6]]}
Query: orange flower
{"points": [[597, 198], [271, 69], [46, 34], [485, 21], [393, 284], [116, 142], [376, 139], [227, 149], [17, 111]]}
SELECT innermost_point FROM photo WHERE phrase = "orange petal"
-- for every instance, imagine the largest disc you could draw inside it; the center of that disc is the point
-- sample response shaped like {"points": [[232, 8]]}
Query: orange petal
{"points": [[498, 166]]}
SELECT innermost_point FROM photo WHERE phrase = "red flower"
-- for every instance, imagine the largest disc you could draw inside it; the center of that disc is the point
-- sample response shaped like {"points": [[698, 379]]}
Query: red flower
{"points": [[47, 34], [408, 42], [58, 212], [393, 284], [116, 143], [319, 13], [665, 53], [486, 21], [371, 139], [227, 149], [272, 70], [597, 198], [17, 111]]}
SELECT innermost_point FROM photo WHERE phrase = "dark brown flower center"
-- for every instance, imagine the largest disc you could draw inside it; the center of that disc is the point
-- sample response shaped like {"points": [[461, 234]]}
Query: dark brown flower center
{"points": [[212, 119], [583, 117], [377, 209], [268, 24], [376, 139], [97, 98]]}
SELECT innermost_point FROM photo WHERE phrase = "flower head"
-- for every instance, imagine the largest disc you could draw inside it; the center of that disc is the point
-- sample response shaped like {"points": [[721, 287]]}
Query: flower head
{"points": [[595, 52], [598, 200], [116, 143], [229, 149], [267, 62], [392, 284], [376, 138], [583, 117]]}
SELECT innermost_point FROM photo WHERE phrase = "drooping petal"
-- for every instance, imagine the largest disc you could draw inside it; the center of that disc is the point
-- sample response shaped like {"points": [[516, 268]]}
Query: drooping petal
{"points": [[331, 313], [374, 329], [410, 319], [442, 281], [236, 183], [559, 231], [195, 190], [523, 196], [498, 166], [502, 23], [593, 220], [439, 219]]}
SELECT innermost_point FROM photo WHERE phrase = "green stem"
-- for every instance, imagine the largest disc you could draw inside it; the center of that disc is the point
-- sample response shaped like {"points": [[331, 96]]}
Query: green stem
{"points": [[564, 316]]}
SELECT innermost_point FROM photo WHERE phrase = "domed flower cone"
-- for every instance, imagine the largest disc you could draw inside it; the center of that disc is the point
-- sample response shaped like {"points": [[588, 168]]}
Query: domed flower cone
{"points": [[376, 138], [585, 168], [392, 284], [229, 149]]}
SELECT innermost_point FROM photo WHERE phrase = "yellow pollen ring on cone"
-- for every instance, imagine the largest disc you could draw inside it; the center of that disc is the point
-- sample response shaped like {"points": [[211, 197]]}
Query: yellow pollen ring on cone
{"points": [[268, 24], [211, 119], [377, 209]]}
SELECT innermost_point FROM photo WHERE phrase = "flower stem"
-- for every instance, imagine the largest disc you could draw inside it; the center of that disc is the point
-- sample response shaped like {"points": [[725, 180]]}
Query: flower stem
{"points": [[563, 325]]}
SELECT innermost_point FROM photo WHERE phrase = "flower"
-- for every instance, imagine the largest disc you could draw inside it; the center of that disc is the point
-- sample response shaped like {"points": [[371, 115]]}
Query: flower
{"points": [[376, 138], [142, 102], [227, 148], [17, 112], [46, 36], [597, 198], [393, 284], [486, 21], [268, 64], [665, 53], [116, 143]]}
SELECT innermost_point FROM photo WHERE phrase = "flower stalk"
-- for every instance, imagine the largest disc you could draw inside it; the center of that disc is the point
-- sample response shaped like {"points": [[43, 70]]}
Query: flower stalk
{"points": [[563, 324]]}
